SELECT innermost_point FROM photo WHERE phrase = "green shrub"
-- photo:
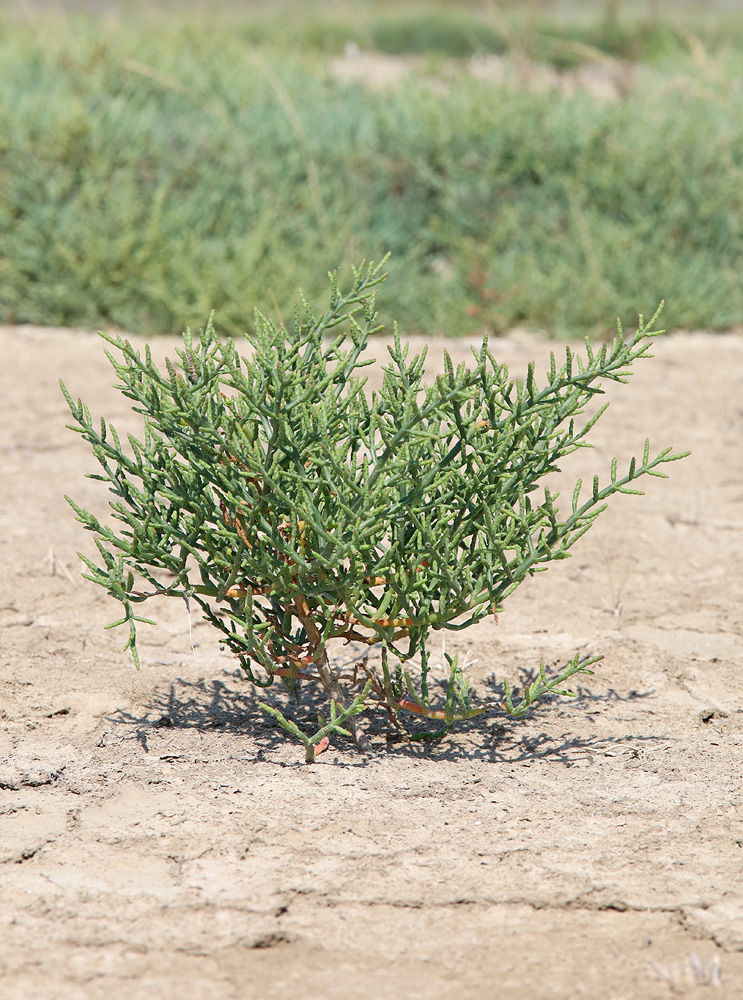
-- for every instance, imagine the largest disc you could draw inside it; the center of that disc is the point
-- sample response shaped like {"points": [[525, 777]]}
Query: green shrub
{"points": [[435, 32], [293, 509]]}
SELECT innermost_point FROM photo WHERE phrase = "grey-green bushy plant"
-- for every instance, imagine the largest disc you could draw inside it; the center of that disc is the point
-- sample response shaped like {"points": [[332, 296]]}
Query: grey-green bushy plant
{"points": [[295, 508]]}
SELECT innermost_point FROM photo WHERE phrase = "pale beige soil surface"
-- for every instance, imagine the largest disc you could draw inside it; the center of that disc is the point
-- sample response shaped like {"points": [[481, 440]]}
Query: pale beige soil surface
{"points": [[605, 78], [159, 837]]}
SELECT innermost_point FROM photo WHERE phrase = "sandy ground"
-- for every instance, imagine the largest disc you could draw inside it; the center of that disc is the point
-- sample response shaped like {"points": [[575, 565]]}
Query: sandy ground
{"points": [[159, 837], [605, 78]]}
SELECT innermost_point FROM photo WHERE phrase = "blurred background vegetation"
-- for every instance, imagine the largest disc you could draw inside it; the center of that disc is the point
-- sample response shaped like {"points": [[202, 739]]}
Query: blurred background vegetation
{"points": [[549, 165]]}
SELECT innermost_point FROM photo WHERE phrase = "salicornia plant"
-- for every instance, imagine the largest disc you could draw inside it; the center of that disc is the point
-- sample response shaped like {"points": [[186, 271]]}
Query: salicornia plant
{"points": [[294, 507]]}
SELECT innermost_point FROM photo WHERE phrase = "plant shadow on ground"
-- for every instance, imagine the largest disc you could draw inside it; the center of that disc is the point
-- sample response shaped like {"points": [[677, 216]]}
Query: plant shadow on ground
{"points": [[222, 705]]}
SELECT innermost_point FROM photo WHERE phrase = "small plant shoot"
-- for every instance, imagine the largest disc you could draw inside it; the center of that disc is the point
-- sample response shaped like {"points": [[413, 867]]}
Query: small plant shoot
{"points": [[295, 507]]}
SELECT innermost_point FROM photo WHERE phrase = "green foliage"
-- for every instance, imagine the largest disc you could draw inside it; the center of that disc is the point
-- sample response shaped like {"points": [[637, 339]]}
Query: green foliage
{"points": [[436, 32], [459, 32], [151, 169], [295, 508]]}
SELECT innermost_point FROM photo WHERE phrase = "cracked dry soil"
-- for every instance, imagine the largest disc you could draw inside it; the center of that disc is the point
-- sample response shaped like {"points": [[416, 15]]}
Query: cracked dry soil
{"points": [[159, 838]]}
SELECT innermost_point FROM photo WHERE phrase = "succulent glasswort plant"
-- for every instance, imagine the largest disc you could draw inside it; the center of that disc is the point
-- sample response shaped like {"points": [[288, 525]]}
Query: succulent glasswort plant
{"points": [[294, 507]]}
